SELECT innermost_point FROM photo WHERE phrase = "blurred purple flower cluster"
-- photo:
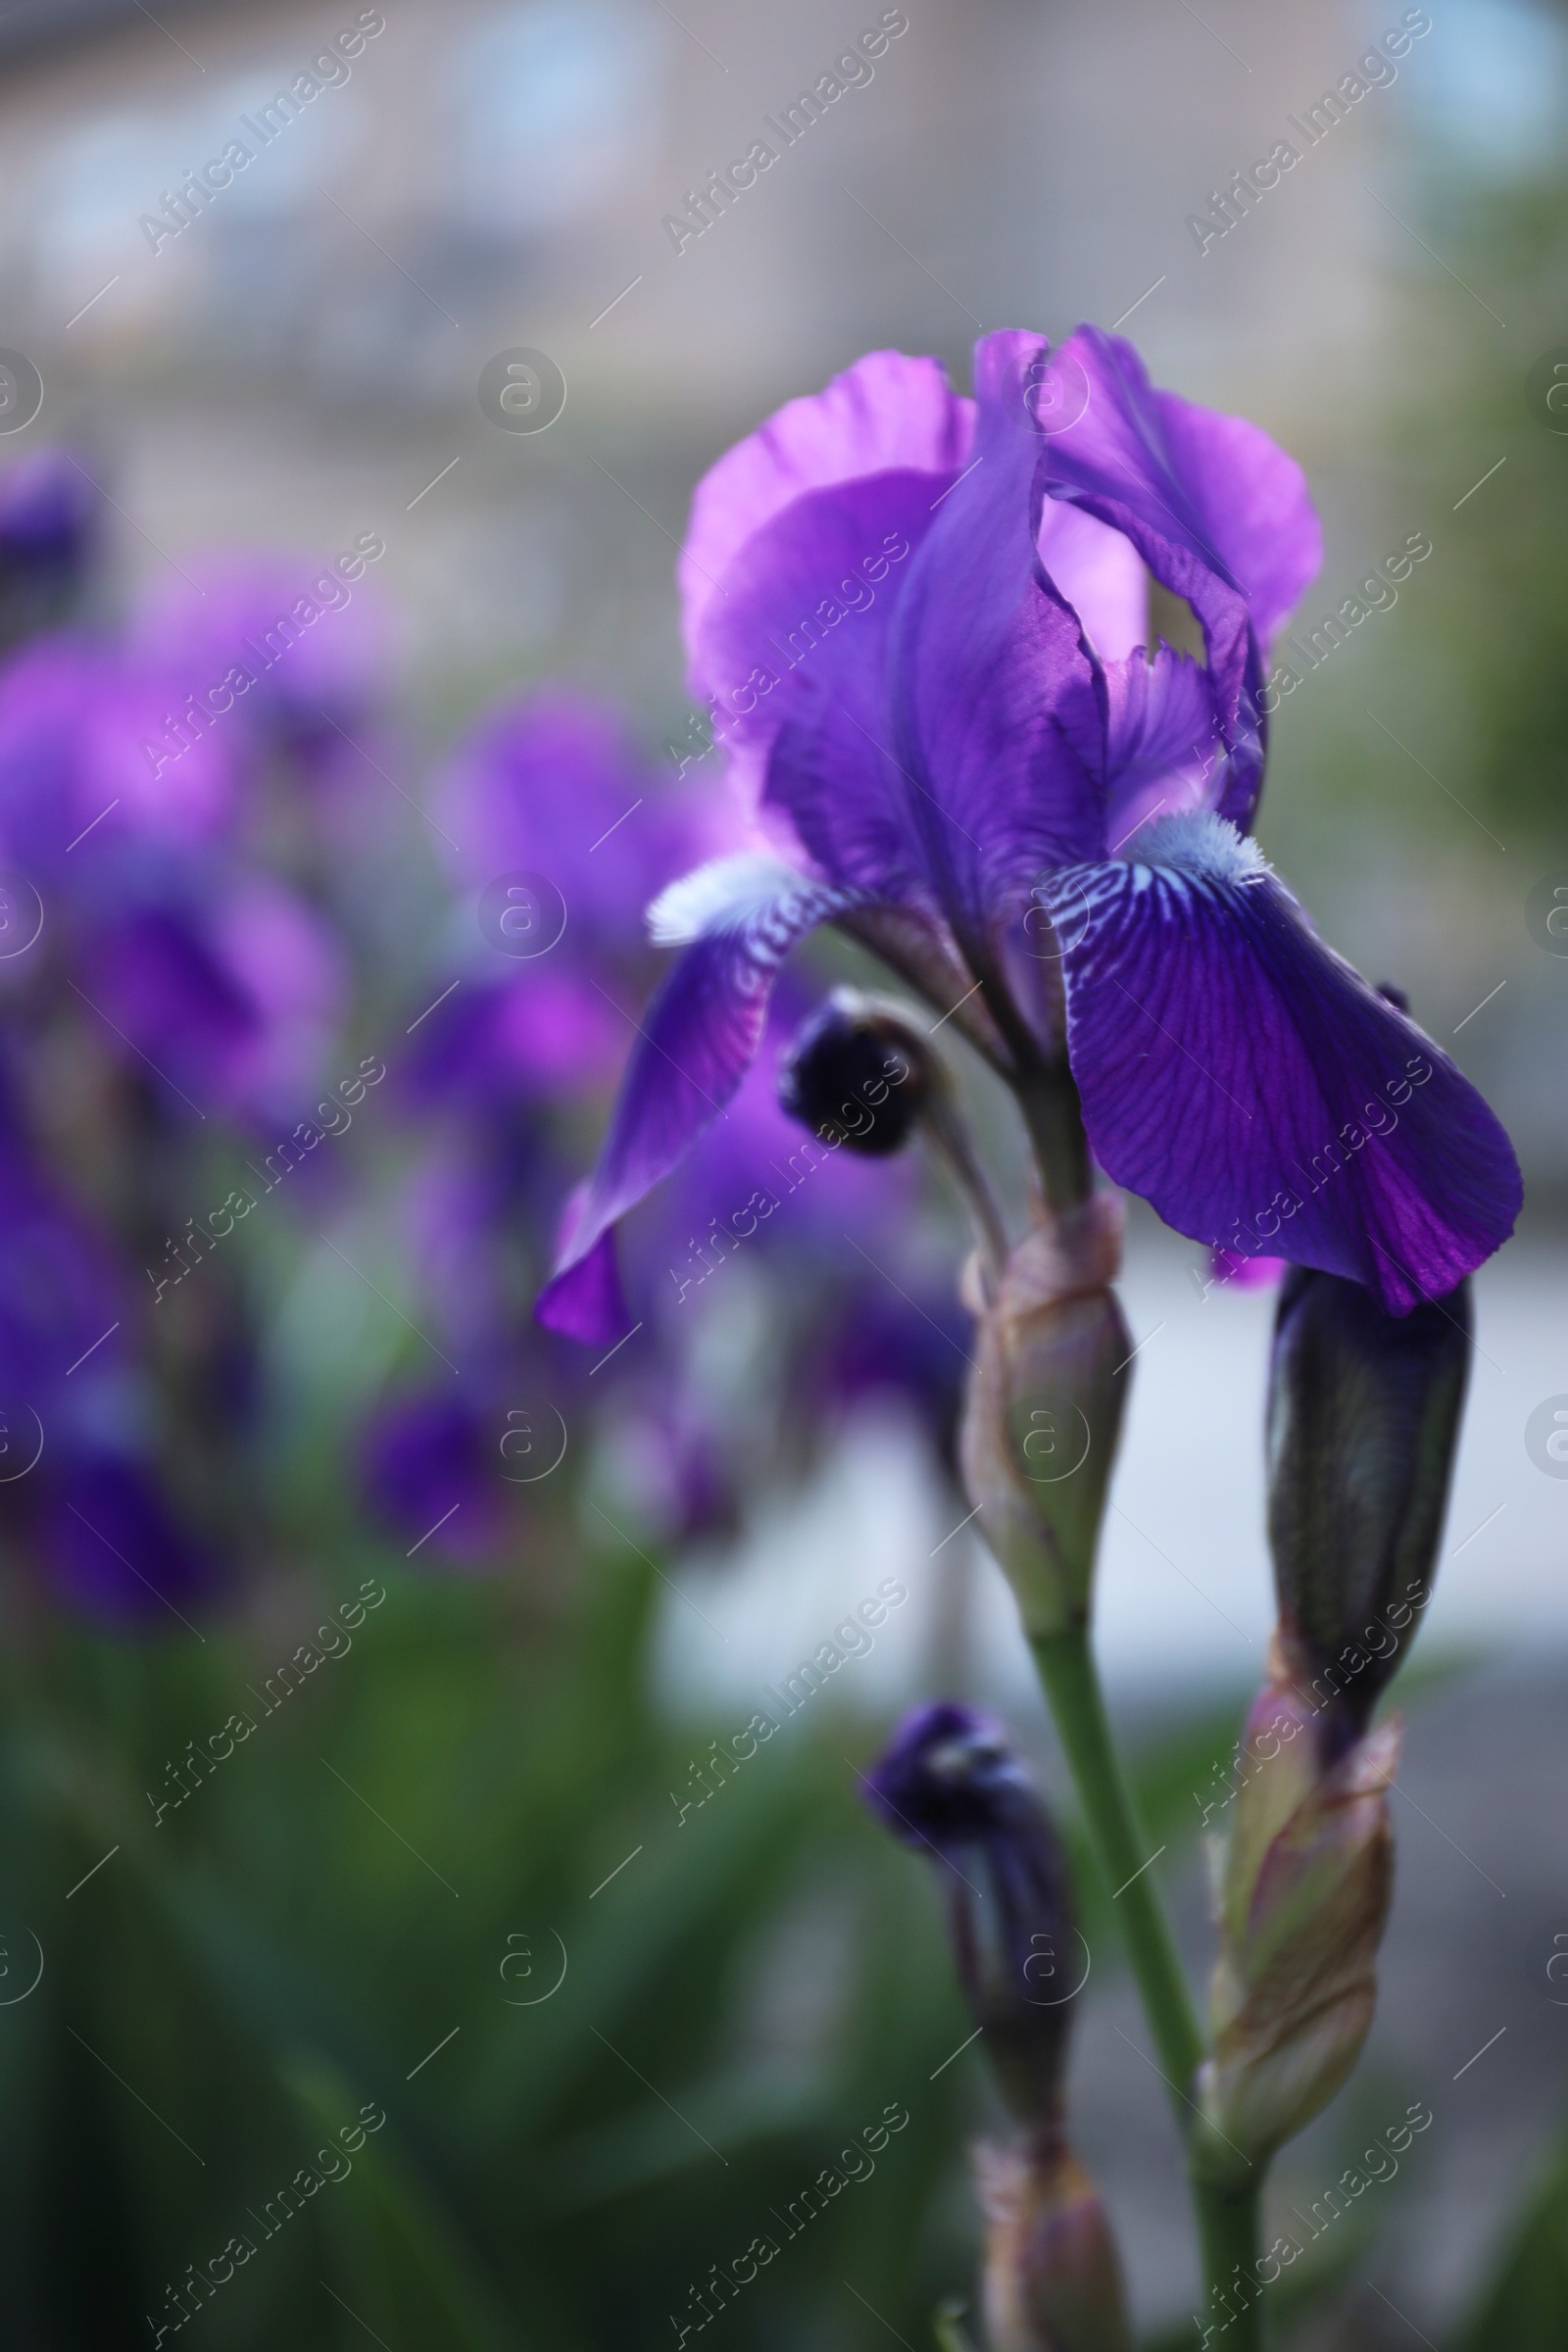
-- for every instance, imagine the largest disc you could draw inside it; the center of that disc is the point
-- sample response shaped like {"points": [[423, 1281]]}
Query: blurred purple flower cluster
{"points": [[224, 946]]}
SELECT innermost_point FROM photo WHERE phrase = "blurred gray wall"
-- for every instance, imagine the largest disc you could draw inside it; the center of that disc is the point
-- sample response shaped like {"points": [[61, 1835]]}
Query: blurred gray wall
{"points": [[301, 360]]}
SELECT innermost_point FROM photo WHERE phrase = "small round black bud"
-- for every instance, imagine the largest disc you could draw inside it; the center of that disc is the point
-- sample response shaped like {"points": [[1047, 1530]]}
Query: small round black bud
{"points": [[858, 1071]]}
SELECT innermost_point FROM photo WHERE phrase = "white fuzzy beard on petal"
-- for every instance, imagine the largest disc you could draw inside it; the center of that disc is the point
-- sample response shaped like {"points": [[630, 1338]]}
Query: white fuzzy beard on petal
{"points": [[1201, 844], [728, 891]]}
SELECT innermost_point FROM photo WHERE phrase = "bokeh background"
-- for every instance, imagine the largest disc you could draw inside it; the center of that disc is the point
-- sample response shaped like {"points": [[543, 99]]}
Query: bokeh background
{"points": [[480, 1783]]}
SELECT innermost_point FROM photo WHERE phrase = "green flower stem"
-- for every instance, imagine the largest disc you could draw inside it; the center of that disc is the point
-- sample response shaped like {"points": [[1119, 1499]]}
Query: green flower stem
{"points": [[1049, 1102], [1227, 2225], [1228, 2235], [1122, 1850]]}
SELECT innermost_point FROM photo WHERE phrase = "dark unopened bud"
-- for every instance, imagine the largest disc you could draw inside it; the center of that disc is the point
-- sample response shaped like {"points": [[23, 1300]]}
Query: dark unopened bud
{"points": [[1362, 1417], [1043, 1410], [860, 1072], [949, 1785]]}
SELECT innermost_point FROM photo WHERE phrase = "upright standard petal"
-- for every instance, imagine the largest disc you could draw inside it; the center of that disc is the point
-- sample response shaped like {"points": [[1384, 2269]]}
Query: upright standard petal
{"points": [[797, 546], [1220, 514], [796, 660], [887, 414], [987, 660], [1245, 1081], [1163, 754], [741, 917]]}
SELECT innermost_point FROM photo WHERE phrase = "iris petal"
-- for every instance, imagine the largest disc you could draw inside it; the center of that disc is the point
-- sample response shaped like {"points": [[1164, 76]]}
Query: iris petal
{"points": [[885, 646], [987, 660], [887, 414], [1220, 514], [1162, 748], [694, 1045], [1247, 1083]]}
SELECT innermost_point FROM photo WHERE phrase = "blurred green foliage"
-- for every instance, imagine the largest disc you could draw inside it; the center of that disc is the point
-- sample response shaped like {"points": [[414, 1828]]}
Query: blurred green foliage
{"points": [[364, 1910]]}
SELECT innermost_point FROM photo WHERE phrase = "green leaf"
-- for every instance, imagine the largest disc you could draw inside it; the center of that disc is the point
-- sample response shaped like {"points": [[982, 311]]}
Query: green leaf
{"points": [[1525, 2307], [402, 2268]]}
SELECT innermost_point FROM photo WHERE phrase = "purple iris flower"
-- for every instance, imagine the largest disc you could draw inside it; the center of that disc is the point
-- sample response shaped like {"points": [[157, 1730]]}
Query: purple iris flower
{"points": [[223, 979], [48, 529], [78, 1488], [431, 1469], [231, 994], [920, 624], [93, 789], [274, 643], [552, 785], [113, 1543]]}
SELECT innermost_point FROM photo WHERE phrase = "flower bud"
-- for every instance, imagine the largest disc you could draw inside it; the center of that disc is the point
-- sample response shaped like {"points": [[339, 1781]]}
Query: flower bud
{"points": [[1052, 2281], [1364, 1414], [1043, 1410], [1303, 1897], [950, 1784], [860, 1069]]}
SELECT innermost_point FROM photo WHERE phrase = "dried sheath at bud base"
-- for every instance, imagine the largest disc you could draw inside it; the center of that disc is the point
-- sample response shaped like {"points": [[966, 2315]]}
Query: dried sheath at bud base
{"points": [[1305, 1891], [1043, 1410], [1052, 2281]]}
